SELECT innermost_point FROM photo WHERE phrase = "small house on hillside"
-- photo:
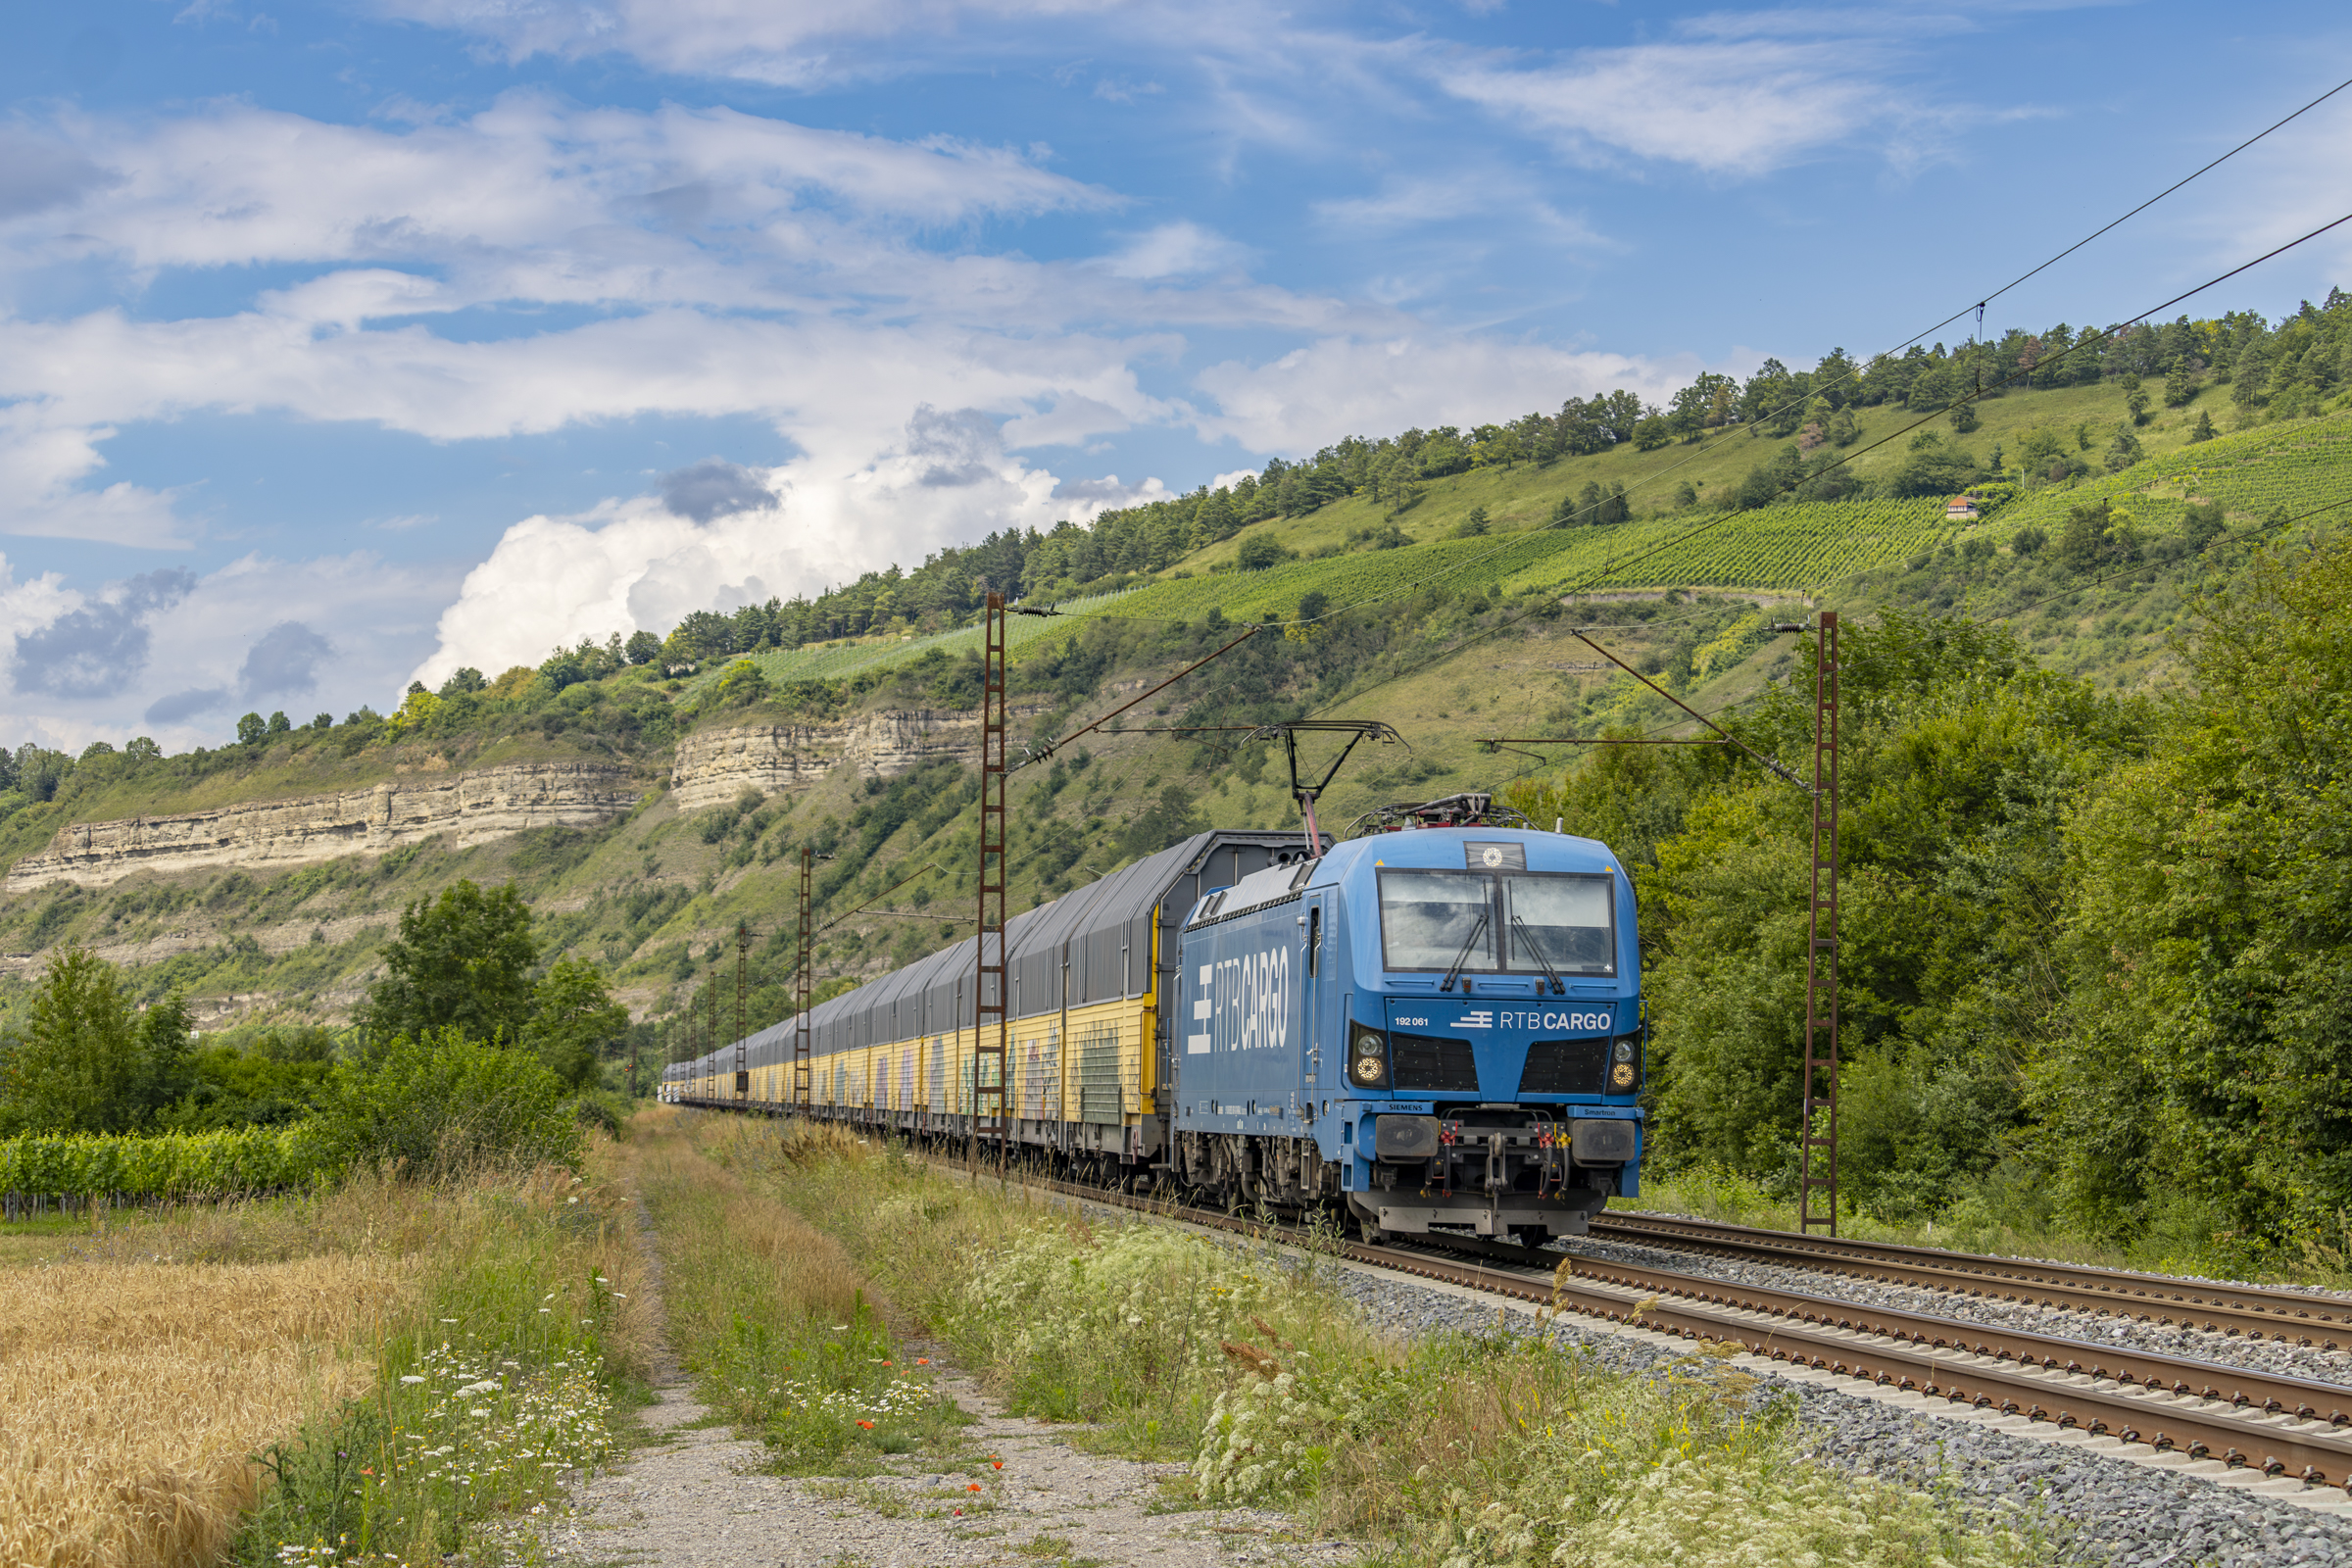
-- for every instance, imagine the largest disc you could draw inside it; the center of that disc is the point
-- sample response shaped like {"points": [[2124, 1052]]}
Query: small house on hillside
{"points": [[1960, 508]]}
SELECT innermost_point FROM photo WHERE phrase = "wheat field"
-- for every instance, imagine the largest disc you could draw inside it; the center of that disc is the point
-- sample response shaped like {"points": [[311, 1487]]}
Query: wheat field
{"points": [[133, 1396]]}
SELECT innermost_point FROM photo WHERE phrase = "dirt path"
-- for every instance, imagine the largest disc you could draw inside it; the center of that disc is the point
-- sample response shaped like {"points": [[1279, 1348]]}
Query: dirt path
{"points": [[695, 1498]]}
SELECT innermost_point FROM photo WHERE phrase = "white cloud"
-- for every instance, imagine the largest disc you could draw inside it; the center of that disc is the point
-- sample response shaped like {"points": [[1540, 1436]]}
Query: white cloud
{"points": [[45, 453], [843, 288], [530, 198], [1419, 201], [631, 564], [1313, 395], [744, 264], [1174, 250], [790, 42], [198, 640], [1731, 94]]}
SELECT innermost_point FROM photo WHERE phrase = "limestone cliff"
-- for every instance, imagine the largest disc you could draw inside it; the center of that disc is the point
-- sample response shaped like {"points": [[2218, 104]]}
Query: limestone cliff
{"points": [[473, 807], [716, 766]]}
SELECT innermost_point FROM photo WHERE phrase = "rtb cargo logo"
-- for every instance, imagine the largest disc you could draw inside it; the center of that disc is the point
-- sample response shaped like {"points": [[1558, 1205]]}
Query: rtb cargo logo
{"points": [[1598, 1022], [1242, 1003]]}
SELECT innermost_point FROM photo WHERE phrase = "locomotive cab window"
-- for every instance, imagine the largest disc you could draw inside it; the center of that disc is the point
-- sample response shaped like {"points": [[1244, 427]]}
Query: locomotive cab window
{"points": [[1569, 922], [1428, 918], [1513, 922]]}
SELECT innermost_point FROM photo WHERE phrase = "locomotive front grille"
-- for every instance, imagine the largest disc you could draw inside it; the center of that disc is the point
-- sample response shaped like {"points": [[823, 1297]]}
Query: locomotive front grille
{"points": [[1565, 1067], [1433, 1062]]}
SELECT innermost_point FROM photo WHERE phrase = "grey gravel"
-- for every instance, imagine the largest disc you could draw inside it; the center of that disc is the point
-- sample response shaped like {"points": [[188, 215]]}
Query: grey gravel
{"points": [[2261, 1355], [2098, 1510]]}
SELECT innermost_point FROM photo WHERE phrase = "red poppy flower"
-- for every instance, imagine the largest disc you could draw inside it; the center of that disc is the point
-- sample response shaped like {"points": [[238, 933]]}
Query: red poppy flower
{"points": [[869, 1425]]}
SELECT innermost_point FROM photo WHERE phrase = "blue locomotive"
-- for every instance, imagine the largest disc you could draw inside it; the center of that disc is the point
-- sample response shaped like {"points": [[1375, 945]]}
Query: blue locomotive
{"points": [[1432, 1027]]}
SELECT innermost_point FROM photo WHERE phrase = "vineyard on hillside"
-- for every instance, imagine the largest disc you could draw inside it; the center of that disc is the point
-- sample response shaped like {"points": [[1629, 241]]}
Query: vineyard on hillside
{"points": [[1789, 547], [1792, 548], [2300, 465]]}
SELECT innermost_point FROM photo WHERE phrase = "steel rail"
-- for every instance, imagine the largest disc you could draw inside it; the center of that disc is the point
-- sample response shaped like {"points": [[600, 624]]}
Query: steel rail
{"points": [[1959, 1362], [2239, 1387], [2257, 1311], [1867, 1343]]}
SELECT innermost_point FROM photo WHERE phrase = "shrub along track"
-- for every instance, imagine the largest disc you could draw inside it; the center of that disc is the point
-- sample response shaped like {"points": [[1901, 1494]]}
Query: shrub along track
{"points": [[2206, 1418]]}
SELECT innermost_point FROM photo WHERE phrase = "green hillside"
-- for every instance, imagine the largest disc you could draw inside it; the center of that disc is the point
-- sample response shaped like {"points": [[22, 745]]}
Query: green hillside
{"points": [[2092, 771], [1435, 604]]}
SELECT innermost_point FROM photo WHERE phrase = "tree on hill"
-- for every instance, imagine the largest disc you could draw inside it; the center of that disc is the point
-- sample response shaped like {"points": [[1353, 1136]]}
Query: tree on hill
{"points": [[572, 1022], [2197, 1084], [88, 1061], [462, 961]]}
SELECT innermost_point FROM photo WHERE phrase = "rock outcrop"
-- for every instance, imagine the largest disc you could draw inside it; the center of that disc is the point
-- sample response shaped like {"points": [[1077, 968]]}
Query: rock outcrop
{"points": [[473, 806], [716, 766]]}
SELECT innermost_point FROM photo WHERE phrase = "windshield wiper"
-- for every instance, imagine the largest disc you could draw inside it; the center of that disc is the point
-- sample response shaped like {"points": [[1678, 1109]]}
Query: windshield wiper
{"points": [[1519, 927], [1453, 971]]}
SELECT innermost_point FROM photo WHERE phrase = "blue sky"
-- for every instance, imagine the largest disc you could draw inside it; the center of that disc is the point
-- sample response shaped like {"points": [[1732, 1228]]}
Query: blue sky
{"points": [[343, 343]]}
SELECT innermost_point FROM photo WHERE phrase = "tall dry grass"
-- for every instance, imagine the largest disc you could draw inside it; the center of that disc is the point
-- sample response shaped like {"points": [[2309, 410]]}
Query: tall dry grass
{"points": [[784, 1333], [147, 1357], [725, 1241], [1497, 1449], [133, 1396]]}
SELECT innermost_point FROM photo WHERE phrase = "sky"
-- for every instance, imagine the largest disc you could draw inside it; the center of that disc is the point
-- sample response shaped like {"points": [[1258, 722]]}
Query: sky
{"points": [[346, 344]]}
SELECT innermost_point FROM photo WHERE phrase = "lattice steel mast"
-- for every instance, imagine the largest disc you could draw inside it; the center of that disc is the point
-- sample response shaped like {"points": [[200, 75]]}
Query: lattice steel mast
{"points": [[1818, 1132], [743, 951], [991, 1001], [803, 1087]]}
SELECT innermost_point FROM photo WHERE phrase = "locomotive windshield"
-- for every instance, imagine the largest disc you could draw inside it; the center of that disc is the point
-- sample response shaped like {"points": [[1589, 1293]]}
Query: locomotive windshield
{"points": [[1489, 922]]}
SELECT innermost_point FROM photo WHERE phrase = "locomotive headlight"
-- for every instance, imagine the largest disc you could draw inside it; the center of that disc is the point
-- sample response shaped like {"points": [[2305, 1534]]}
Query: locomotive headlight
{"points": [[1368, 1057], [1621, 1077], [1625, 1050]]}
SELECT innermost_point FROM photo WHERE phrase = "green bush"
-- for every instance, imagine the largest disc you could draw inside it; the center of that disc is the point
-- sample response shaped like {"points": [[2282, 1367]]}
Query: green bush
{"points": [[439, 1103]]}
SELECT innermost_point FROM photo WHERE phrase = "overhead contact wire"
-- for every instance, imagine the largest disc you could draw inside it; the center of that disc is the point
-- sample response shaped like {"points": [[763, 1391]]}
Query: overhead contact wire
{"points": [[1615, 565], [1705, 448]]}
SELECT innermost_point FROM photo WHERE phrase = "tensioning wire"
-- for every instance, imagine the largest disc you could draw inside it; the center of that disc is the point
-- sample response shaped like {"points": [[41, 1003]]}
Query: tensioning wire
{"points": [[1705, 448], [1861, 364], [1979, 307], [2087, 341]]}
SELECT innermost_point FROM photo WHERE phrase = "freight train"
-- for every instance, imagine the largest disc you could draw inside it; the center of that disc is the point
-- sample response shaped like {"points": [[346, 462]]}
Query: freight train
{"points": [[1434, 1025]]}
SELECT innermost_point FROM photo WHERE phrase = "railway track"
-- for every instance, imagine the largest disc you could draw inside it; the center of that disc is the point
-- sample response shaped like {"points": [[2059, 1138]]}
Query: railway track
{"points": [[2287, 1316], [2115, 1395]]}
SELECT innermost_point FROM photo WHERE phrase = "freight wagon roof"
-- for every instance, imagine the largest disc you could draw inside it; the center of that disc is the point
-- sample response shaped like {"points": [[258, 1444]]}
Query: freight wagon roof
{"points": [[1124, 900]]}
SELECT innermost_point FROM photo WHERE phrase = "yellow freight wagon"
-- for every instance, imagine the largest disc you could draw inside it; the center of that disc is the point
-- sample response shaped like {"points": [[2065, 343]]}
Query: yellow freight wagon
{"points": [[1088, 1059]]}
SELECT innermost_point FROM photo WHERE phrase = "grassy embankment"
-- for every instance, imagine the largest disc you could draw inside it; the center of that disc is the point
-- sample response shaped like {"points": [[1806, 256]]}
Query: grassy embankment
{"points": [[413, 1365], [1245, 1362]]}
